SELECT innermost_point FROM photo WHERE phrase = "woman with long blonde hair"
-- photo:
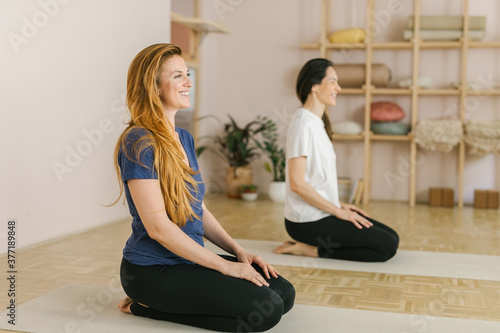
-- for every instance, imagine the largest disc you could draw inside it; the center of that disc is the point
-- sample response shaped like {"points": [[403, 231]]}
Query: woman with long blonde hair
{"points": [[166, 271]]}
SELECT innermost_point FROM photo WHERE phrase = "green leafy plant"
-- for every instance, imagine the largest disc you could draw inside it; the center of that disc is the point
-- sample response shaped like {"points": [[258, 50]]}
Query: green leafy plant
{"points": [[248, 188], [237, 145], [269, 145]]}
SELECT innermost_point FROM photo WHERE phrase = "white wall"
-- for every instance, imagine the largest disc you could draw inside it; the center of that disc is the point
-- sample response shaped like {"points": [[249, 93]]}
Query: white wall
{"points": [[63, 68], [252, 72]]}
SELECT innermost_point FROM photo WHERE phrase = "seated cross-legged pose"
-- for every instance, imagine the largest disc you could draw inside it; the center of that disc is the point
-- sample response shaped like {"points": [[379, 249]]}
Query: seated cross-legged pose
{"points": [[319, 223], [166, 271]]}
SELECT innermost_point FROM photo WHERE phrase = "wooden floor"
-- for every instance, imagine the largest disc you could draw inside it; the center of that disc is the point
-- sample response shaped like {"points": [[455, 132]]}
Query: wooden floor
{"points": [[94, 257]]}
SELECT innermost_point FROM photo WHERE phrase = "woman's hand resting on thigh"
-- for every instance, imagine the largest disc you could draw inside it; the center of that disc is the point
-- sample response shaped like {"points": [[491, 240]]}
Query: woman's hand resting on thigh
{"points": [[250, 258], [353, 214], [244, 270]]}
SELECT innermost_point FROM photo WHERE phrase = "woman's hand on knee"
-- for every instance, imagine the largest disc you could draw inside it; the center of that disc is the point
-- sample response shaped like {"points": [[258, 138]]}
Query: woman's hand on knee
{"points": [[244, 271], [250, 258], [354, 209], [356, 219]]}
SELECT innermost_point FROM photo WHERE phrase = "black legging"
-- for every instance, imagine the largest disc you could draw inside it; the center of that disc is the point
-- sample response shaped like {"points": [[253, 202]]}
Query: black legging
{"points": [[340, 239], [198, 296]]}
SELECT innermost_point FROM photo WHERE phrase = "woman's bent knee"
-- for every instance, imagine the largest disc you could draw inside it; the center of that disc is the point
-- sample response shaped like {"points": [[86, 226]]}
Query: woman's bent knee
{"points": [[265, 315]]}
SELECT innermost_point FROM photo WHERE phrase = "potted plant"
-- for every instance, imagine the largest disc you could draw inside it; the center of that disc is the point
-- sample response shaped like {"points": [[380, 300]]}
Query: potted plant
{"points": [[269, 145], [237, 146], [249, 192]]}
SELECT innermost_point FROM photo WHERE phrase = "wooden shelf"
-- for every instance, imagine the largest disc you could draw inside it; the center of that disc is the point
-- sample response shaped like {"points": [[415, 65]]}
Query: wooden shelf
{"points": [[484, 45], [392, 45], [353, 137], [495, 92], [336, 46], [416, 46], [391, 91], [438, 92], [352, 91], [198, 24], [440, 45], [378, 137]]}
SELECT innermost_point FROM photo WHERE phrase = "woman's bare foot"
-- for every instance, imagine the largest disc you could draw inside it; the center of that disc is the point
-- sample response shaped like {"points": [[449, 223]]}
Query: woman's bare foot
{"points": [[297, 248], [124, 305]]}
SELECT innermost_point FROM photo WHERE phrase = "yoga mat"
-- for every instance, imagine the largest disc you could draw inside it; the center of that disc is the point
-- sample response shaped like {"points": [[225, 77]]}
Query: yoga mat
{"points": [[92, 309], [420, 263], [353, 75]]}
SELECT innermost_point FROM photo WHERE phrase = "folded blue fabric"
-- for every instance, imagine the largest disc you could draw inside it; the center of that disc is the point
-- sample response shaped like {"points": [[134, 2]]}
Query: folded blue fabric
{"points": [[390, 128]]}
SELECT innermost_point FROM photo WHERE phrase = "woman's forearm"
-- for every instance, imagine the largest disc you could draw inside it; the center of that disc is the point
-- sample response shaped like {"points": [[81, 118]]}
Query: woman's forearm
{"points": [[215, 233], [312, 197], [175, 240]]}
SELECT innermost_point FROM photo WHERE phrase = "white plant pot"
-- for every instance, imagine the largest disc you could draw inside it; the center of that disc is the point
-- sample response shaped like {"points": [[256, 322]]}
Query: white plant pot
{"points": [[249, 196], [277, 191]]}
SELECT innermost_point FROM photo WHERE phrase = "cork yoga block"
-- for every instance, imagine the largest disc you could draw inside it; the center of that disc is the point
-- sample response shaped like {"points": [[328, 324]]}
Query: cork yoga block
{"points": [[441, 197], [480, 198], [448, 197], [435, 197], [493, 199], [486, 199]]}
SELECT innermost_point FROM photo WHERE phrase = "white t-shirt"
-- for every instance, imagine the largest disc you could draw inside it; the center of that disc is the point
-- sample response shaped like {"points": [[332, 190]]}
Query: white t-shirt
{"points": [[307, 137]]}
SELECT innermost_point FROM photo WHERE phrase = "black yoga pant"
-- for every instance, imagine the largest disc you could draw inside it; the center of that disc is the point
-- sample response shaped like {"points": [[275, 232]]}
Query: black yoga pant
{"points": [[340, 239], [198, 296]]}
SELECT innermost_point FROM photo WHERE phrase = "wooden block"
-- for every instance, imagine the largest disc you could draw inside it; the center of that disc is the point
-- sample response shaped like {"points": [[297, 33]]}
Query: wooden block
{"points": [[480, 198], [493, 199], [435, 196], [448, 197]]}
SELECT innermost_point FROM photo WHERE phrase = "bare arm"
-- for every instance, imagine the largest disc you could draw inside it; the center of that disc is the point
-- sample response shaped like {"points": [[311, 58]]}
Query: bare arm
{"points": [[148, 200], [217, 235], [299, 185]]}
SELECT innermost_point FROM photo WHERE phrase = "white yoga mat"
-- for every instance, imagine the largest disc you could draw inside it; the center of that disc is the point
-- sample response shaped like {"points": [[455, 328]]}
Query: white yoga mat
{"points": [[421, 263], [92, 309]]}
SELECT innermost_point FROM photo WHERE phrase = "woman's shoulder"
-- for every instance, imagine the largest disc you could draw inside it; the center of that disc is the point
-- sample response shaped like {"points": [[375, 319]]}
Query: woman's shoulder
{"points": [[134, 134]]}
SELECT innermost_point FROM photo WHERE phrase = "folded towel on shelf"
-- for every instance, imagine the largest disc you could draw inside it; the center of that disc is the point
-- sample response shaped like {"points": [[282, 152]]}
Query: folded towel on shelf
{"points": [[483, 137], [444, 35], [447, 22]]}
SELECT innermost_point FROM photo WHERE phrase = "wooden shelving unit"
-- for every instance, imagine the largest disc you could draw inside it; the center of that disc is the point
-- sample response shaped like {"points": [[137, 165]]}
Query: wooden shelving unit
{"points": [[416, 45], [198, 28]]}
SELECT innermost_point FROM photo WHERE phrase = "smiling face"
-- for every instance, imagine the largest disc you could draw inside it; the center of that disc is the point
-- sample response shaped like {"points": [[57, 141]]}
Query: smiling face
{"points": [[327, 90], [175, 84]]}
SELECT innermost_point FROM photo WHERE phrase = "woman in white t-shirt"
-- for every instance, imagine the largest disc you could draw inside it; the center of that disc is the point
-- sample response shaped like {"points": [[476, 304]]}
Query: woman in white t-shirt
{"points": [[320, 224]]}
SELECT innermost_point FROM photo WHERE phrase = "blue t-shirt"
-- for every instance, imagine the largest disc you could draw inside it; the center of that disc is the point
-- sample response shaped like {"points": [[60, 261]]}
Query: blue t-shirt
{"points": [[140, 249]]}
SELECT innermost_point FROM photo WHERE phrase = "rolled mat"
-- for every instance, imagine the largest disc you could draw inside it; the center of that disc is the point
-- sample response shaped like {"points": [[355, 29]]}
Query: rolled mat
{"points": [[353, 75], [444, 34], [447, 22]]}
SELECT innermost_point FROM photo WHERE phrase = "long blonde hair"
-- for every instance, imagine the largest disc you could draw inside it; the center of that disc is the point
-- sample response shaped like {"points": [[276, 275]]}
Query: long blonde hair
{"points": [[146, 111]]}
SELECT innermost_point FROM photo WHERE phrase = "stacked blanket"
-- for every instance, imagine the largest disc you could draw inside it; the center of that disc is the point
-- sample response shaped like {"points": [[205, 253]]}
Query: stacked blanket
{"points": [[446, 28], [483, 137]]}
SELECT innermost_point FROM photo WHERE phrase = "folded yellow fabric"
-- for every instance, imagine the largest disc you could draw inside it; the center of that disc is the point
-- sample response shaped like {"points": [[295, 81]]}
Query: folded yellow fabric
{"points": [[351, 35]]}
